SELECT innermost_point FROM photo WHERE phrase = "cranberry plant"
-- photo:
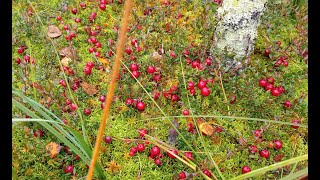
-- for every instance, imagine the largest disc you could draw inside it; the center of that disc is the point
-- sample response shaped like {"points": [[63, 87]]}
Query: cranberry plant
{"points": [[177, 113]]}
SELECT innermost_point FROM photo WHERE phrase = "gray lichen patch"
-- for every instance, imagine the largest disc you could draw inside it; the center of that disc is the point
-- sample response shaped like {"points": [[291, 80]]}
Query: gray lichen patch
{"points": [[237, 27]]}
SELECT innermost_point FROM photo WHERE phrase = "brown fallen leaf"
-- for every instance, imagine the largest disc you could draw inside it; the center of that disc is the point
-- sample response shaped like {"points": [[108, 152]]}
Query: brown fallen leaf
{"points": [[242, 141], [65, 61], [205, 128], [88, 88], [68, 52], [278, 157], [53, 31], [53, 148]]}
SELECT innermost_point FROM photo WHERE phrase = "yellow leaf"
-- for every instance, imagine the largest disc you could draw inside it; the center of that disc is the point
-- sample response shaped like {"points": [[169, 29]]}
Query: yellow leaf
{"points": [[205, 127], [113, 166], [53, 148]]}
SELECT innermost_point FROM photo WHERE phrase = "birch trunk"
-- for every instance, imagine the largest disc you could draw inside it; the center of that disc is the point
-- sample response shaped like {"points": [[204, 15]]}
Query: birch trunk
{"points": [[236, 30]]}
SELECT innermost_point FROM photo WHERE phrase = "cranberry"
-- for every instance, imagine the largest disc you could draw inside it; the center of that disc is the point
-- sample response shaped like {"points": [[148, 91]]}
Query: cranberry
{"points": [[158, 162], [296, 121], [97, 54], [83, 5], [74, 10], [62, 83], [133, 58], [285, 63], [190, 85], [263, 83], [108, 139], [128, 50], [77, 20], [138, 48], [156, 95], [38, 133], [68, 169], [140, 147], [174, 98], [268, 87], [18, 60], [140, 106], [91, 50], [155, 151], [171, 152], [129, 101], [77, 158], [157, 78], [207, 173], [131, 153], [87, 70], [134, 67], [186, 112], [102, 98], [135, 74], [87, 111], [245, 169], [188, 61], [26, 58], [218, 129], [102, 7], [186, 52], [21, 50], [205, 91], [253, 149], [94, 40], [70, 71], [189, 155], [192, 92], [151, 69], [73, 107], [97, 45], [182, 175], [208, 61], [267, 52], [142, 132], [264, 153], [59, 18], [134, 150], [275, 92], [281, 89], [172, 54], [195, 64], [287, 104], [278, 63], [134, 42], [65, 121], [277, 144], [270, 80], [257, 133], [202, 84], [90, 64]]}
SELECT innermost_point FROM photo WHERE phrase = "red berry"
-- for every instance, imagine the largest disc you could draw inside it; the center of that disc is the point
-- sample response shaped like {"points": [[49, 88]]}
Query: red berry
{"points": [[133, 58], [87, 111], [281, 89], [182, 175], [195, 64], [171, 152], [155, 151], [134, 42], [135, 74], [253, 149], [157, 78], [108, 139], [102, 7], [74, 10], [18, 60], [131, 153], [287, 104], [140, 106], [202, 84], [102, 98], [129, 101], [172, 54], [133, 149], [257, 133], [277, 144], [186, 52], [68, 169], [142, 132], [278, 42], [275, 92], [26, 58], [128, 50], [77, 20], [190, 85], [245, 169], [138, 48], [268, 87], [151, 69], [87, 70], [188, 61], [134, 67], [140, 147], [207, 173], [158, 162], [270, 80], [267, 52], [77, 158], [189, 155], [83, 5], [90, 64], [156, 95], [38, 133], [94, 40], [97, 45], [296, 121], [285, 63], [59, 18], [263, 83], [208, 61], [264, 153], [278, 63], [174, 98], [186, 112], [192, 92], [91, 50], [205, 91], [97, 54], [62, 83], [73, 107], [65, 121]]}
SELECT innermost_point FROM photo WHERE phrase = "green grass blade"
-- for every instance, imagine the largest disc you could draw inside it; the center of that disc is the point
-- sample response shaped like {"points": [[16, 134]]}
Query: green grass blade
{"points": [[296, 174]]}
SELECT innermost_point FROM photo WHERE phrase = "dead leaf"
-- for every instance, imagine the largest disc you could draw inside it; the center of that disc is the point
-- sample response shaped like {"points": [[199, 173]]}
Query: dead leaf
{"points": [[68, 52], [156, 56], [278, 157], [65, 61], [88, 88], [113, 166], [173, 134], [53, 148], [242, 141], [205, 127], [54, 31]]}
